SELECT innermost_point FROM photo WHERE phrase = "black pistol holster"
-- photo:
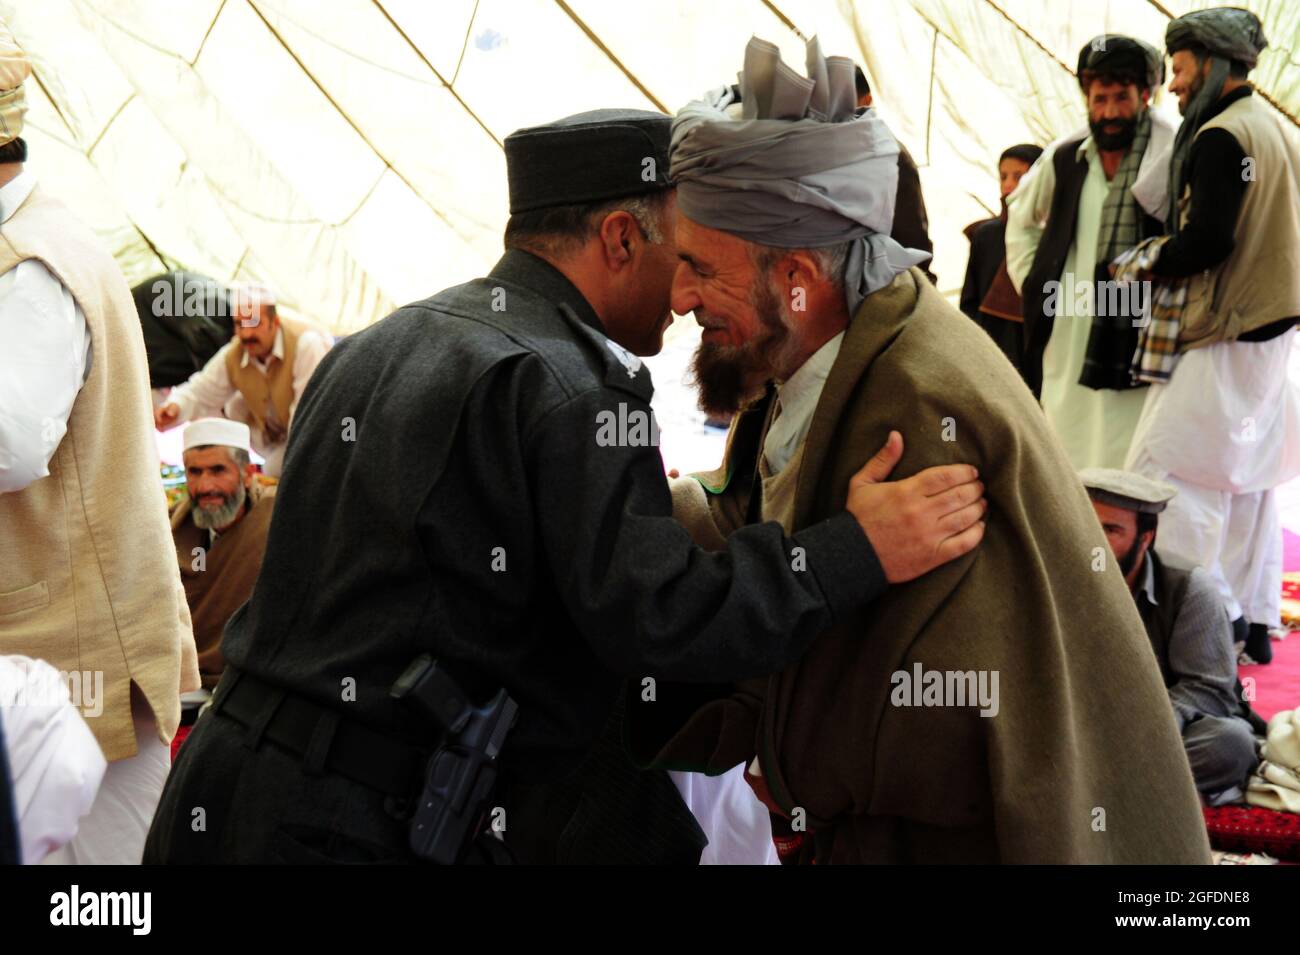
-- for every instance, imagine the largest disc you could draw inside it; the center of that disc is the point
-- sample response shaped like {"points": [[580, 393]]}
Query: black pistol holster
{"points": [[459, 779]]}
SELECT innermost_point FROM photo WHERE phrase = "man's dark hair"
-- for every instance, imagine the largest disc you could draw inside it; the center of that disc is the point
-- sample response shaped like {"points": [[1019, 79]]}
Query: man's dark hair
{"points": [[860, 81], [1147, 522], [561, 229], [13, 151], [1236, 69], [1027, 153]]}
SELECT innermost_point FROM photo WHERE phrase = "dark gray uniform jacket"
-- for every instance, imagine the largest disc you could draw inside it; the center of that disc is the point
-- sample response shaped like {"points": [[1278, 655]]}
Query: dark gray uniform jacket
{"points": [[449, 488]]}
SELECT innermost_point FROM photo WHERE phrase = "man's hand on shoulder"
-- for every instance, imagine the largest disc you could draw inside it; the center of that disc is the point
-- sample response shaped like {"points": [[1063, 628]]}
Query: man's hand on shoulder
{"points": [[919, 523]]}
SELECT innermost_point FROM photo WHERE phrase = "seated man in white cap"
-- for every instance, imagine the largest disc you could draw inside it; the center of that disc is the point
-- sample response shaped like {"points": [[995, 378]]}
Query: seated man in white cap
{"points": [[1221, 420], [220, 532], [1189, 629], [258, 378]]}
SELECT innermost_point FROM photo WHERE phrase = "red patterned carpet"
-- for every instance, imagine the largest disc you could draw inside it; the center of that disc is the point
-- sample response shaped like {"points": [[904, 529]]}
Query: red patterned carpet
{"points": [[1277, 686]]}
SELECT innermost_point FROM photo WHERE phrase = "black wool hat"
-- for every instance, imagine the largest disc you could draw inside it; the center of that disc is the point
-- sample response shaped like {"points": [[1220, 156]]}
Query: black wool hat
{"points": [[1112, 54], [590, 157]]}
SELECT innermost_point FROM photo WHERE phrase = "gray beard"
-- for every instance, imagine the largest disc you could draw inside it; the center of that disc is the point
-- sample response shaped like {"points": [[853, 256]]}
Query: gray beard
{"points": [[219, 519]]}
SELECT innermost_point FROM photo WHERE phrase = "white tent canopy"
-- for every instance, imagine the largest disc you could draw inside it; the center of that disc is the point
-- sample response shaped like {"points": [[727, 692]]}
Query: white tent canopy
{"points": [[348, 152]]}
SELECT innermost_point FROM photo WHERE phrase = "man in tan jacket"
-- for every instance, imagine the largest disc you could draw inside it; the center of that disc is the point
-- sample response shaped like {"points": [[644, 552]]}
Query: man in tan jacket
{"points": [[257, 378], [1005, 707], [88, 582], [1225, 427]]}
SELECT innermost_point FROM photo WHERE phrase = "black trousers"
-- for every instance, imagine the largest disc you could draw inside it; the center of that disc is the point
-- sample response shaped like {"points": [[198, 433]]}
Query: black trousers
{"points": [[229, 802]]}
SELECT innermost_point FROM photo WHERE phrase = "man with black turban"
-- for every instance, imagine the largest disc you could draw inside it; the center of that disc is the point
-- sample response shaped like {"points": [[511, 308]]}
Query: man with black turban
{"points": [[1223, 425], [827, 339], [1090, 197]]}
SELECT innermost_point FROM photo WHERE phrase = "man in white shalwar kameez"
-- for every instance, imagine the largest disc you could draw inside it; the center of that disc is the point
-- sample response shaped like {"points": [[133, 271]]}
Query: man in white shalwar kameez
{"points": [[1225, 427], [1092, 193]]}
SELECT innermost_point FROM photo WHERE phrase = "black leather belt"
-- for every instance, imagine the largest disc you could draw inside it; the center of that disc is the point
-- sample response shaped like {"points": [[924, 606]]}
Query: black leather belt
{"points": [[327, 741]]}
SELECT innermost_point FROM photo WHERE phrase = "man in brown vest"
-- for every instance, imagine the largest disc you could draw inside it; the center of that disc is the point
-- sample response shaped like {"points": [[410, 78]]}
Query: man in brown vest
{"points": [[220, 532], [258, 378], [87, 579], [1189, 630]]}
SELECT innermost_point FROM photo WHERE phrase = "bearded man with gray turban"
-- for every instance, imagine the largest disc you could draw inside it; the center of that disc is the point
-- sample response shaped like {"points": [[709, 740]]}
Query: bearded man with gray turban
{"points": [[825, 337], [1224, 427]]}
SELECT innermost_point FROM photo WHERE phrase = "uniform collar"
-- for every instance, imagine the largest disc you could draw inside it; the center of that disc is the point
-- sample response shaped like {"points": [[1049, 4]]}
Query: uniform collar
{"points": [[277, 351], [14, 193], [535, 273]]}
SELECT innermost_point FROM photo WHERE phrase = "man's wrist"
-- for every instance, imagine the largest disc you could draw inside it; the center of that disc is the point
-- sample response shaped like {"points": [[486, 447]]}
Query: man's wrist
{"points": [[845, 564]]}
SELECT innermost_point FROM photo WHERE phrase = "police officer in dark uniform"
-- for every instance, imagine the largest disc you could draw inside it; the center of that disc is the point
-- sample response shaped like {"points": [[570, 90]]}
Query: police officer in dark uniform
{"points": [[475, 479]]}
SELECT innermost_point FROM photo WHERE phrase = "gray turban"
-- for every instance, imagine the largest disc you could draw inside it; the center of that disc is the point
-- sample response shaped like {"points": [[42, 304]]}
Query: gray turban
{"points": [[1228, 33], [802, 167]]}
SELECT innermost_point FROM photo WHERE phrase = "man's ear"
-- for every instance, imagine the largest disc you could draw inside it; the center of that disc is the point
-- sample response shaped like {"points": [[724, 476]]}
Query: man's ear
{"points": [[250, 475], [1145, 95], [619, 239], [799, 274]]}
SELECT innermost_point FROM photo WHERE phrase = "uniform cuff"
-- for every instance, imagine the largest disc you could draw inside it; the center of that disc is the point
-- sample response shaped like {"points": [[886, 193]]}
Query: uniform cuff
{"points": [[844, 563]]}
